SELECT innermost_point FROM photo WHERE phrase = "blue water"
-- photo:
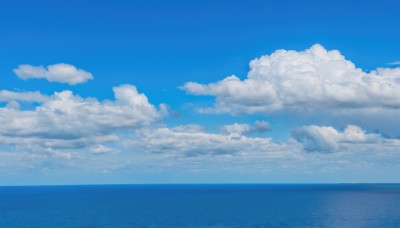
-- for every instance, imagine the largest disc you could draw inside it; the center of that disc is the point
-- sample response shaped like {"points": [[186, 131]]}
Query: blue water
{"points": [[201, 206]]}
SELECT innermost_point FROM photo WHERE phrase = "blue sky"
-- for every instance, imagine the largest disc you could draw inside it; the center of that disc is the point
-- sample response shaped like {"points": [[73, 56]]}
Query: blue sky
{"points": [[311, 110]]}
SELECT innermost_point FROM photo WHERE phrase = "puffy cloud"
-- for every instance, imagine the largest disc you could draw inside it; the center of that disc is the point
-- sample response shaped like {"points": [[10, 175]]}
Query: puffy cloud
{"points": [[326, 139], [61, 72], [67, 121], [305, 80]]}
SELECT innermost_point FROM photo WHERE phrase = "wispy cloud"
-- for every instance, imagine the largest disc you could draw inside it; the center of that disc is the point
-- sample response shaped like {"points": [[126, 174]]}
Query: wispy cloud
{"points": [[395, 63], [61, 72]]}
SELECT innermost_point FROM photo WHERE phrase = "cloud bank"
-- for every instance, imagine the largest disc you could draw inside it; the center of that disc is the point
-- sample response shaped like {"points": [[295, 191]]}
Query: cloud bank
{"points": [[192, 140], [67, 121], [128, 131]]}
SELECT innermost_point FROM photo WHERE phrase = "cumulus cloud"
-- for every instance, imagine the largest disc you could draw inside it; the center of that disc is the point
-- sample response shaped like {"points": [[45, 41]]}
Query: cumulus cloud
{"points": [[66, 121], [61, 72], [327, 139], [304, 80]]}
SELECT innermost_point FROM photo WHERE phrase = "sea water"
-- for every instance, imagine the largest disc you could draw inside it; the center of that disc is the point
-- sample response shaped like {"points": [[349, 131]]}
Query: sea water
{"points": [[281, 205]]}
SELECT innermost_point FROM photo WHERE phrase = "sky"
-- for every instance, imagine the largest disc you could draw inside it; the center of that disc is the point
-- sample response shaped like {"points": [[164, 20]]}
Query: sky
{"points": [[135, 92]]}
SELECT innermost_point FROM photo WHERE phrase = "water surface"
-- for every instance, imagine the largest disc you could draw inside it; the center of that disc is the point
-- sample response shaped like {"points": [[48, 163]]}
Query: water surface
{"points": [[334, 205]]}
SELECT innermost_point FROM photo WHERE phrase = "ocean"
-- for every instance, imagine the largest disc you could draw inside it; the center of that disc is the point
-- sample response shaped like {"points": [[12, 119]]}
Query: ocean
{"points": [[231, 205]]}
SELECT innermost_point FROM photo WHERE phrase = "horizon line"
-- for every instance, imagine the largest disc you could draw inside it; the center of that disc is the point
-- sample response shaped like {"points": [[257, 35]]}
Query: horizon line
{"points": [[187, 184]]}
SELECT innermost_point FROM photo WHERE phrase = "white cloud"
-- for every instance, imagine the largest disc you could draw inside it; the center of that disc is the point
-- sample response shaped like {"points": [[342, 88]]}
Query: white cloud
{"points": [[189, 151], [243, 129], [7, 96], [61, 72], [101, 149], [192, 140], [196, 151], [188, 128], [313, 79], [67, 121], [327, 139], [239, 129], [394, 63]]}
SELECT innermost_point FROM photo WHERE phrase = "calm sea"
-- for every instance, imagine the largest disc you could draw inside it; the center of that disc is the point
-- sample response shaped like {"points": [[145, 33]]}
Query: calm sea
{"points": [[336, 205]]}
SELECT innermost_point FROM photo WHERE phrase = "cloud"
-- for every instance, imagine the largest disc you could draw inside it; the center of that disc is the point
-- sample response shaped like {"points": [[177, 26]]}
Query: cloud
{"points": [[7, 96], [328, 139], [192, 140], [101, 150], [261, 126], [61, 72], [190, 151], [313, 79], [243, 129], [394, 63], [236, 128], [67, 121], [188, 148]]}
